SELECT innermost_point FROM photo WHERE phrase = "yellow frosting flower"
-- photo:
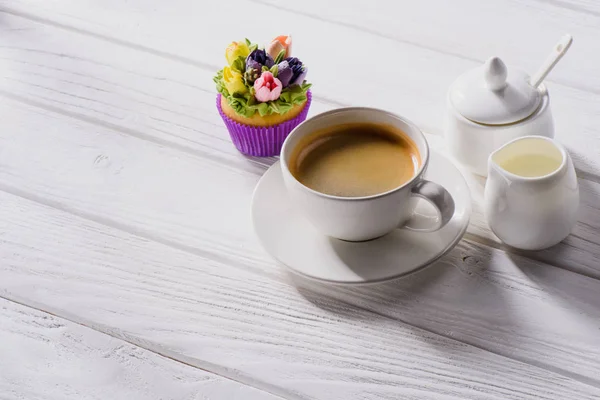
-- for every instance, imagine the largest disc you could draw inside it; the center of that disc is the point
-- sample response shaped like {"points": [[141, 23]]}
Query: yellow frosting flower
{"points": [[235, 50], [233, 81]]}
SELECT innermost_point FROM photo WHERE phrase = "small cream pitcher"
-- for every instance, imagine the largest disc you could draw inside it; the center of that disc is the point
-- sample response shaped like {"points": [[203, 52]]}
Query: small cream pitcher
{"points": [[531, 194]]}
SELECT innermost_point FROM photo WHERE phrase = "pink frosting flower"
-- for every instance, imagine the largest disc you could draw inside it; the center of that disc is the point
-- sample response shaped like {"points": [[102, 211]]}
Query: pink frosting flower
{"points": [[267, 87]]}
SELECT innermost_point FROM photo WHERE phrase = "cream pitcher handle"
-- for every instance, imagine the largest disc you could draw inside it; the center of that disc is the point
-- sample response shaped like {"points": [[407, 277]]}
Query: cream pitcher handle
{"points": [[439, 198]]}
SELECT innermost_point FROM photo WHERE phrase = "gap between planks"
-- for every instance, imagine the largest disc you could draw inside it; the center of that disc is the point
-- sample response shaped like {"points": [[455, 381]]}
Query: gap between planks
{"points": [[131, 132], [211, 67], [125, 43], [381, 35], [213, 368], [135, 46], [572, 7], [262, 163], [257, 385], [196, 63], [483, 241], [173, 145]]}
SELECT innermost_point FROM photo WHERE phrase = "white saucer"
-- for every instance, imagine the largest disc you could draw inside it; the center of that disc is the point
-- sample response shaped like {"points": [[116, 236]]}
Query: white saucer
{"points": [[292, 240]]}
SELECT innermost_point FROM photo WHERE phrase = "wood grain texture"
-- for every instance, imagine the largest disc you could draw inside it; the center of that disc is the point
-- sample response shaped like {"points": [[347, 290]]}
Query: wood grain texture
{"points": [[413, 38], [513, 29], [579, 252], [172, 104], [255, 328], [121, 130], [95, 173], [46, 357], [589, 7]]}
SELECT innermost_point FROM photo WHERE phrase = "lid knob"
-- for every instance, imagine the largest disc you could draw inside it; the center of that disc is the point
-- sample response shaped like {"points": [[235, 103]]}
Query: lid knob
{"points": [[495, 73], [493, 95]]}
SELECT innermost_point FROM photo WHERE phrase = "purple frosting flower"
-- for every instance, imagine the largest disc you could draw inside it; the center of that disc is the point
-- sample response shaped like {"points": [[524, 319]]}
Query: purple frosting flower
{"points": [[253, 70], [298, 69], [284, 73], [253, 64], [259, 57]]}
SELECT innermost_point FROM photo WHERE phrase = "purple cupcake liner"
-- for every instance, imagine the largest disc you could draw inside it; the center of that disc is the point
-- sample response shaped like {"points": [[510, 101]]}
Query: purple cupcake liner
{"points": [[262, 141]]}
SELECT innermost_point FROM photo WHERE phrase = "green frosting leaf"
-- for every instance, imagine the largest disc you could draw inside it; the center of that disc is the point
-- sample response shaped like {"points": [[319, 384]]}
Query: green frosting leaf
{"points": [[240, 104], [239, 64], [285, 97], [263, 109], [251, 46], [274, 107], [284, 107], [300, 99], [279, 56], [218, 79], [264, 68], [274, 70]]}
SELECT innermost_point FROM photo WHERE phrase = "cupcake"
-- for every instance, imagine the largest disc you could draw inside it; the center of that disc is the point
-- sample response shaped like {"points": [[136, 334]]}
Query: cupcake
{"points": [[263, 95]]}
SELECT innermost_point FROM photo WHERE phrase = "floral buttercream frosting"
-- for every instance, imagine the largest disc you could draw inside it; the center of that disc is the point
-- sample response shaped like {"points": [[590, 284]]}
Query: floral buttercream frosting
{"points": [[265, 80]]}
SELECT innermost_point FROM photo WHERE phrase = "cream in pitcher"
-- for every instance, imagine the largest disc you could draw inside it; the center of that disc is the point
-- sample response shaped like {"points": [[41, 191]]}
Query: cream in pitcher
{"points": [[532, 194], [531, 165]]}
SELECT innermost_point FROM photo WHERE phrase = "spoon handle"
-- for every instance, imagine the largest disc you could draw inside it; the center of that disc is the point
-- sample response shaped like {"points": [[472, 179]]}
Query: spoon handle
{"points": [[558, 52]]}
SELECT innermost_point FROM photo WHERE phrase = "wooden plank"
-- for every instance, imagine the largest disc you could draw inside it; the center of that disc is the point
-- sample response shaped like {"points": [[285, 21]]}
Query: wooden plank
{"points": [[435, 25], [498, 301], [416, 85], [582, 6], [47, 357], [133, 147], [194, 205], [257, 328], [520, 32], [171, 103]]}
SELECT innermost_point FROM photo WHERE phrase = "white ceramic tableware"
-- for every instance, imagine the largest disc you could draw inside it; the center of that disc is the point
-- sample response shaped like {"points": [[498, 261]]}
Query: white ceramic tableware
{"points": [[369, 217], [491, 105], [291, 239], [531, 212], [553, 58]]}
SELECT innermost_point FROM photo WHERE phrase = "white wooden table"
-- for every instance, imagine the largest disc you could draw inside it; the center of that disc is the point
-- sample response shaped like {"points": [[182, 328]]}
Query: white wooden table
{"points": [[129, 268]]}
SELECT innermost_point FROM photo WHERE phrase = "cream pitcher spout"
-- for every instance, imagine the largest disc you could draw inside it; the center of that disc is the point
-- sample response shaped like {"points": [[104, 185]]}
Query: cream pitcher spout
{"points": [[531, 195]]}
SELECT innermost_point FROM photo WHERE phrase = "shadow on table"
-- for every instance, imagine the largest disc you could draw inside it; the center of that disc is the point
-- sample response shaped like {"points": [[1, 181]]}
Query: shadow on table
{"points": [[580, 251], [476, 294], [564, 288], [583, 168], [443, 298], [497, 299]]}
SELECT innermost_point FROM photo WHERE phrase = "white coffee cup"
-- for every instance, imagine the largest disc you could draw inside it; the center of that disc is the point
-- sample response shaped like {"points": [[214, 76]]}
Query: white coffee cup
{"points": [[369, 217]]}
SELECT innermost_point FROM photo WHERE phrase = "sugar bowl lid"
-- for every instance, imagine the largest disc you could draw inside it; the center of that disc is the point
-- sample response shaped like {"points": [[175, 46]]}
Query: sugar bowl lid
{"points": [[492, 95]]}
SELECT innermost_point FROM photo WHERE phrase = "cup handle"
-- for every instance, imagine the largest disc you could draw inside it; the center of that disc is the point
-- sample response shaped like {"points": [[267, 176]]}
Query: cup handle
{"points": [[439, 198]]}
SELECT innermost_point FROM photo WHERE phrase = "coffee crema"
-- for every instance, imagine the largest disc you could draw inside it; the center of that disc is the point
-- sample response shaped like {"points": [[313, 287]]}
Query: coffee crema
{"points": [[355, 160]]}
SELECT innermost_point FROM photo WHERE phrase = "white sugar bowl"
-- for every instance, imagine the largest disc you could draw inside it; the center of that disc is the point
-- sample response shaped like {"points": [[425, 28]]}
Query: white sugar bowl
{"points": [[491, 105], [488, 107]]}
